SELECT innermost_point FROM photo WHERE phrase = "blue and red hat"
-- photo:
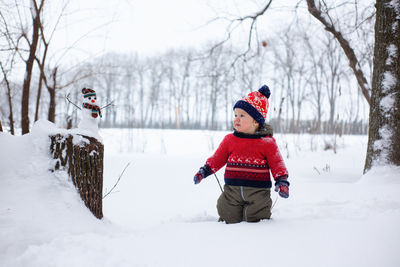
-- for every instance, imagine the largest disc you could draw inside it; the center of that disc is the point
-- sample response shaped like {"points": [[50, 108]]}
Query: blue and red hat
{"points": [[88, 92], [256, 104]]}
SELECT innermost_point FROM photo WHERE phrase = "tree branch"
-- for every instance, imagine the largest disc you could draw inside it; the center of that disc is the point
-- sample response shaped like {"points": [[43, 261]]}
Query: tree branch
{"points": [[67, 97], [348, 50], [239, 22]]}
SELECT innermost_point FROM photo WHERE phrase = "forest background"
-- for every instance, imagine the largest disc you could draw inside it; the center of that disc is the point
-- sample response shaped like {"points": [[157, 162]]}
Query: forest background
{"points": [[191, 84]]}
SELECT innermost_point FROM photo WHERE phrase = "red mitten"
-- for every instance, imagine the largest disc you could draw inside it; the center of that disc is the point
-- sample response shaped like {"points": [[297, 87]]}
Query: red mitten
{"points": [[282, 186], [202, 173]]}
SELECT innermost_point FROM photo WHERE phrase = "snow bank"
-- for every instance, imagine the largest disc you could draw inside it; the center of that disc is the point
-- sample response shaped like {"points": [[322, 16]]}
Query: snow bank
{"points": [[157, 217], [36, 206]]}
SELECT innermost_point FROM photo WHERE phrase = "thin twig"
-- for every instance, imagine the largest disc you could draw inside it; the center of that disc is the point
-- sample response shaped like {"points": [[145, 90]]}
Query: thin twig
{"points": [[119, 178], [106, 106], [67, 97], [220, 187], [273, 205]]}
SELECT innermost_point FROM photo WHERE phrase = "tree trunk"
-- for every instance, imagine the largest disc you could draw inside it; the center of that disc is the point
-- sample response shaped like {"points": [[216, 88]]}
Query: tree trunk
{"points": [[28, 73], [52, 92], [52, 105], [84, 164], [11, 116], [384, 117], [42, 78], [39, 92]]}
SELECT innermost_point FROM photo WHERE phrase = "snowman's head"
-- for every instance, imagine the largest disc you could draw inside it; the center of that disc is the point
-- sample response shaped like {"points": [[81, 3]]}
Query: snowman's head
{"points": [[89, 96]]}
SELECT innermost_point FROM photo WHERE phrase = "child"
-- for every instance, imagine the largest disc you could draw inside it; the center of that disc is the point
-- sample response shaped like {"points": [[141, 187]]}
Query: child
{"points": [[250, 153]]}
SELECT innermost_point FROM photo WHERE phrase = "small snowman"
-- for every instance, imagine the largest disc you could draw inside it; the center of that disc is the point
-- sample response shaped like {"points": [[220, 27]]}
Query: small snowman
{"points": [[90, 111]]}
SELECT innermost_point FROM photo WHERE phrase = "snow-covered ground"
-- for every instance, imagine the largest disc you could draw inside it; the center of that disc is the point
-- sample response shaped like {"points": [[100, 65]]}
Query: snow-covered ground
{"points": [[158, 217]]}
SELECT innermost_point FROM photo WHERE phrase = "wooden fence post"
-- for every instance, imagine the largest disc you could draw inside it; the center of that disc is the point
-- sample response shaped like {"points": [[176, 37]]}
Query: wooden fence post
{"points": [[82, 157]]}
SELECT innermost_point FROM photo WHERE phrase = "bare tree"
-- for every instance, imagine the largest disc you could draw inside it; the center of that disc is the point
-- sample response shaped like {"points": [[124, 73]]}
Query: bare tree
{"points": [[185, 86], [156, 74], [332, 79], [52, 92], [11, 116], [213, 72], [178, 68], [293, 73], [45, 41], [130, 80], [316, 59], [141, 73], [320, 12], [36, 12]]}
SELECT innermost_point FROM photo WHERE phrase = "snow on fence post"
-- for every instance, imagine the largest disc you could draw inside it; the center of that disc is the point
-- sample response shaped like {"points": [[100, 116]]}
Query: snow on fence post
{"points": [[82, 157]]}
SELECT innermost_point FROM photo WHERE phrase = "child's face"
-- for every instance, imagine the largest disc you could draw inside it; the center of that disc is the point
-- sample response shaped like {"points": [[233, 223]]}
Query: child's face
{"points": [[243, 122]]}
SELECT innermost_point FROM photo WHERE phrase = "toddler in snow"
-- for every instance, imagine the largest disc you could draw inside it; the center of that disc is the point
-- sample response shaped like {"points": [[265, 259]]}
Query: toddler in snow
{"points": [[250, 154]]}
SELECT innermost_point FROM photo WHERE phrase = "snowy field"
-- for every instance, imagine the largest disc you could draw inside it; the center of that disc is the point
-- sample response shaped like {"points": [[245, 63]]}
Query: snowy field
{"points": [[158, 217]]}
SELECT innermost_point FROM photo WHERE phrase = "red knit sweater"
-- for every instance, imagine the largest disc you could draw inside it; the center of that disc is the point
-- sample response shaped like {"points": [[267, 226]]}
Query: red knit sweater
{"points": [[249, 160]]}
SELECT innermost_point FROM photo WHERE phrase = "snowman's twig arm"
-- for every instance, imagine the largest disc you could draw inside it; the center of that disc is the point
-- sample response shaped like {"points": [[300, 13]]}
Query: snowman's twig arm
{"points": [[110, 104], [67, 97]]}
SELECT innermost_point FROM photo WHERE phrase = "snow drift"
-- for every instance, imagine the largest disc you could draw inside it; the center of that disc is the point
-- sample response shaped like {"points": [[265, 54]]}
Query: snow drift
{"points": [[157, 217]]}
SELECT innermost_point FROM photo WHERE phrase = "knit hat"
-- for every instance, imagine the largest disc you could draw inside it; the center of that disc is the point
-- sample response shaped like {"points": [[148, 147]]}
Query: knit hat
{"points": [[256, 104], [88, 92]]}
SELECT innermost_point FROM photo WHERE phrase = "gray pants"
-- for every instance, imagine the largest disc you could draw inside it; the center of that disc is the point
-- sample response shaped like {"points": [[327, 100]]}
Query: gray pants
{"points": [[242, 203]]}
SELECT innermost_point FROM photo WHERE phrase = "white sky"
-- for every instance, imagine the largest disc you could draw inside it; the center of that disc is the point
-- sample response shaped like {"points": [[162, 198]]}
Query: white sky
{"points": [[150, 26]]}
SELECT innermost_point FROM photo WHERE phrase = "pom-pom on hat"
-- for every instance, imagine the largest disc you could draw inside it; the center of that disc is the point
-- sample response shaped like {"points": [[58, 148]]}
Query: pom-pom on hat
{"points": [[256, 104], [88, 92]]}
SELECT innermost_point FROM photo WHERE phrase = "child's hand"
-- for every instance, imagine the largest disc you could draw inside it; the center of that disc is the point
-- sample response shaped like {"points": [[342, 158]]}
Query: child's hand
{"points": [[282, 186], [201, 174]]}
